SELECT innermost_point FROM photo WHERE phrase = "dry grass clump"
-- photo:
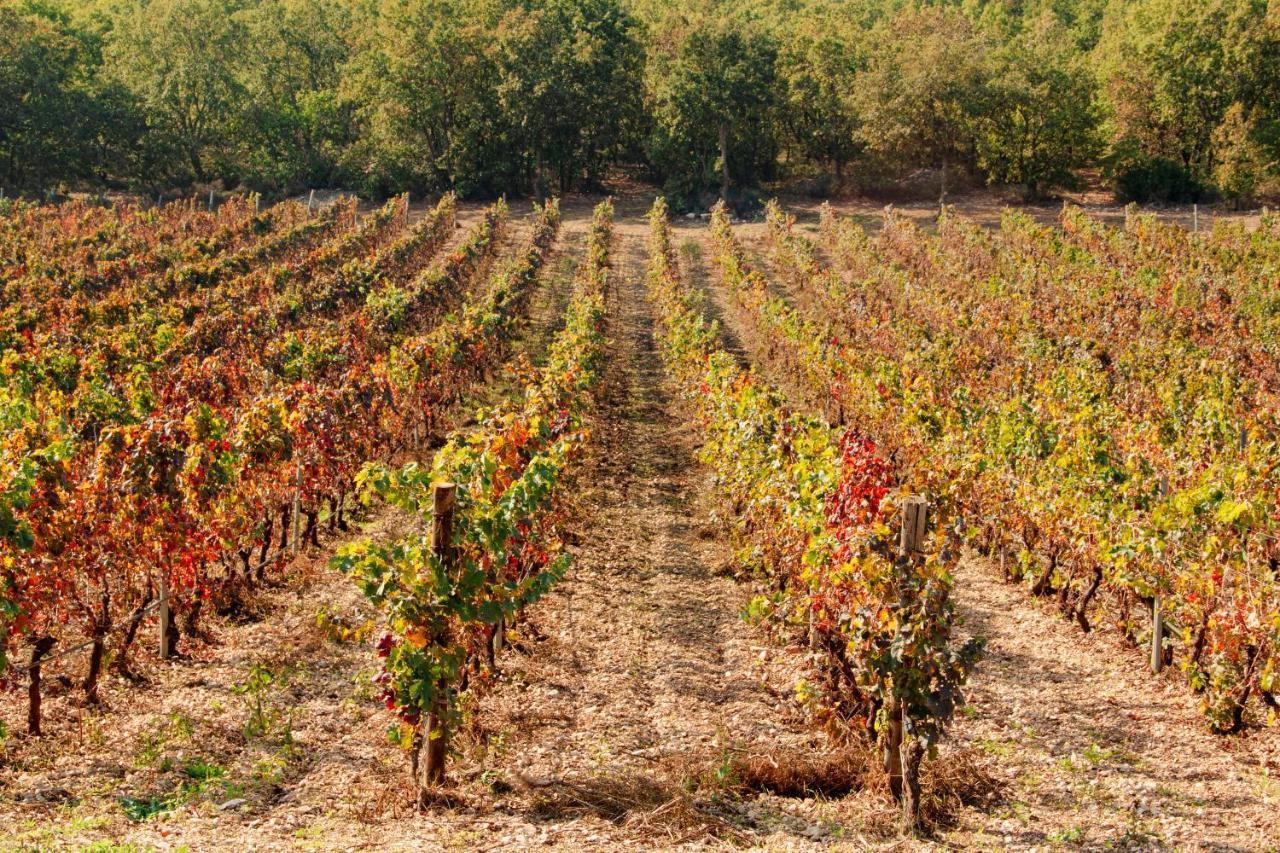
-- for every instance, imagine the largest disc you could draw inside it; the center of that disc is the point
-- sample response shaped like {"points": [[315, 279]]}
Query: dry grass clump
{"points": [[955, 782], [791, 774], [948, 785], [631, 800]]}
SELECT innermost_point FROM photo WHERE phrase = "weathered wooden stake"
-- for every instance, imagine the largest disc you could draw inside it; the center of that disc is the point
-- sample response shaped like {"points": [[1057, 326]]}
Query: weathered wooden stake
{"points": [[915, 522], [436, 740], [210, 201], [1157, 636], [1195, 217], [166, 620], [1244, 438], [311, 201], [297, 502]]}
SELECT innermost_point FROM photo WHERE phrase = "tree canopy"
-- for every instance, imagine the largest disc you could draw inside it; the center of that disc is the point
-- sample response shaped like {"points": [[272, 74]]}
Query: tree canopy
{"points": [[532, 96]]}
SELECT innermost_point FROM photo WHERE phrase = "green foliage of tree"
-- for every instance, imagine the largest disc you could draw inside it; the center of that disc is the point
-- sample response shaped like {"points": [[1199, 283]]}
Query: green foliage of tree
{"points": [[818, 71], [1171, 71], [922, 92], [57, 123], [1038, 124], [713, 101], [1241, 159], [495, 96], [183, 58], [295, 122]]}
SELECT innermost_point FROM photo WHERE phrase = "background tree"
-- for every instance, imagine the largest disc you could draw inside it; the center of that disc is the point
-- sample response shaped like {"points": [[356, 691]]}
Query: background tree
{"points": [[183, 59], [922, 91], [818, 67], [1038, 123], [713, 106], [295, 121], [569, 83], [1240, 159], [56, 124]]}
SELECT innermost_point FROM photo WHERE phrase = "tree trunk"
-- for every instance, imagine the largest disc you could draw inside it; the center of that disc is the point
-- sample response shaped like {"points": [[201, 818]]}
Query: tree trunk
{"points": [[893, 750], [130, 634], [942, 193], [912, 758], [1044, 583], [310, 533], [101, 628], [38, 652], [724, 162], [266, 546], [1083, 607], [539, 177], [191, 628], [95, 669], [434, 745], [342, 511], [284, 527]]}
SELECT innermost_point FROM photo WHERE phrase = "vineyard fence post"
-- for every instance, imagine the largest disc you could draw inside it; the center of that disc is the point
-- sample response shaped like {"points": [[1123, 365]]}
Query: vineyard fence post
{"points": [[1195, 217], [1157, 621], [311, 201], [165, 619], [297, 501], [444, 498], [1157, 635], [211, 201]]}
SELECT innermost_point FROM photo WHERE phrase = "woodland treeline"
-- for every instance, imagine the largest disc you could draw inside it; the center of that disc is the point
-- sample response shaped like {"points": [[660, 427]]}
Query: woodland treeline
{"points": [[1163, 99]]}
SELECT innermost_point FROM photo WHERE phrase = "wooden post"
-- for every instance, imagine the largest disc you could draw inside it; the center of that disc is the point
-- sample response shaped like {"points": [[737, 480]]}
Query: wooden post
{"points": [[1244, 438], [311, 201], [915, 523], [436, 740], [297, 501], [1157, 635], [166, 621], [211, 201]]}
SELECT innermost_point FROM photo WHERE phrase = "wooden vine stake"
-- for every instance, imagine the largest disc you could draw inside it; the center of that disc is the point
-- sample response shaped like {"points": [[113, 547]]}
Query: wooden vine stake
{"points": [[1157, 622], [903, 767], [297, 502], [166, 618], [1157, 635], [435, 742]]}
